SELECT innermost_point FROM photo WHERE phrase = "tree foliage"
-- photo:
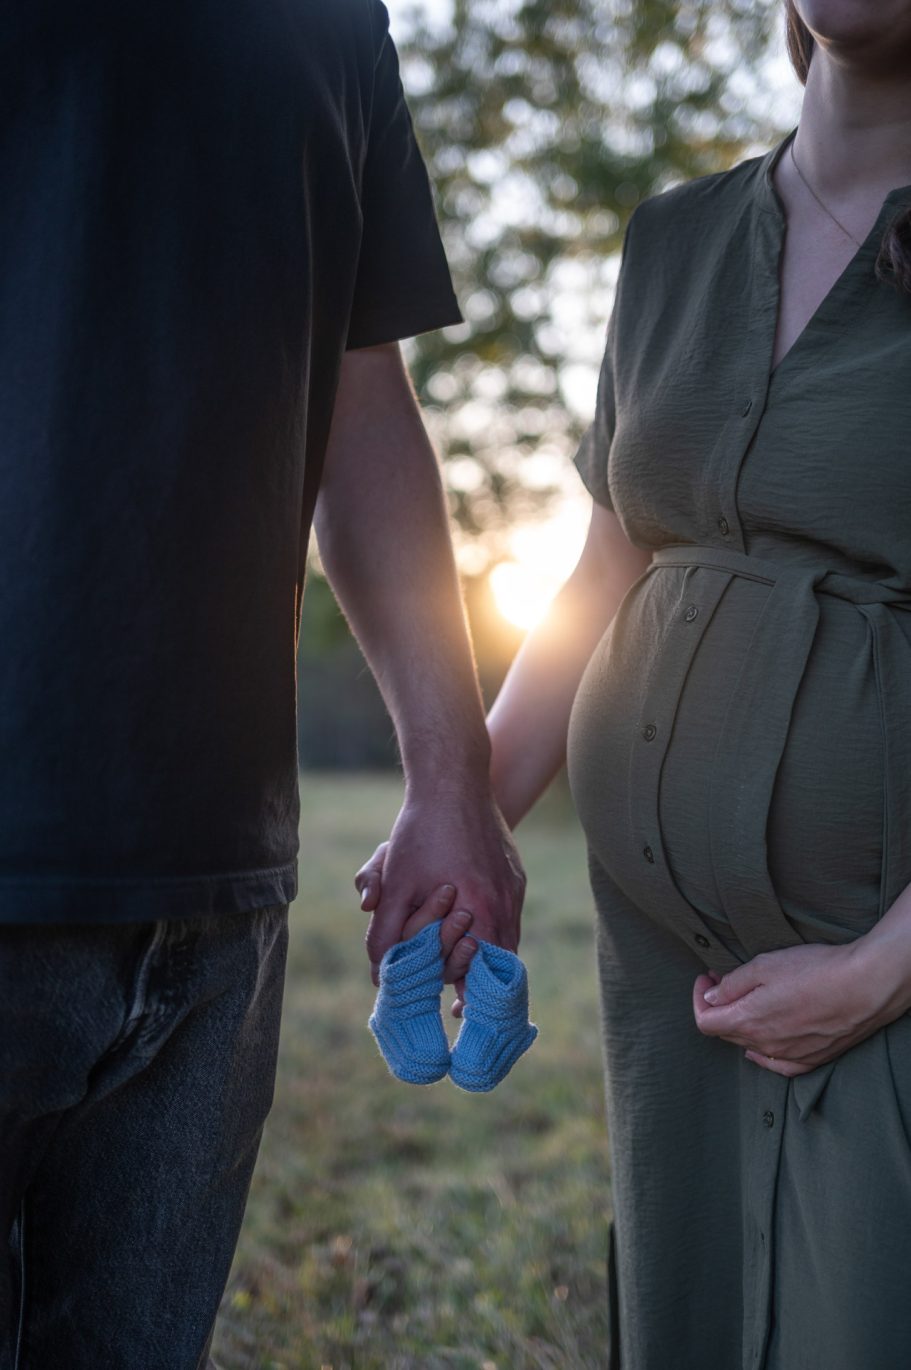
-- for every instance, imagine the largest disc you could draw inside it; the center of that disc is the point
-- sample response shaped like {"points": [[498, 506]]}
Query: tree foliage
{"points": [[543, 122]]}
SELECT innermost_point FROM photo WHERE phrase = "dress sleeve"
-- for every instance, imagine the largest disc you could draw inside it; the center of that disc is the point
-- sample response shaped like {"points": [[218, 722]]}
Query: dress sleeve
{"points": [[594, 449], [403, 286]]}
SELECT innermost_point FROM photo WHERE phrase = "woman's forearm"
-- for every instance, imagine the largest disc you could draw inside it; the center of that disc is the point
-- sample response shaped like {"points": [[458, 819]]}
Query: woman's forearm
{"points": [[529, 720]]}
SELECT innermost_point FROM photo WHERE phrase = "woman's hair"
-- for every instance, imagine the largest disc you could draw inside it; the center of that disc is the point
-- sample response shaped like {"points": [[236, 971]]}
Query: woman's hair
{"points": [[893, 262]]}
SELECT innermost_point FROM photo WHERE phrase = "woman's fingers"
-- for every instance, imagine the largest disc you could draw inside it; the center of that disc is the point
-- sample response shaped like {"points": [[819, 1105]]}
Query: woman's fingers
{"points": [[369, 879], [730, 1021], [457, 949], [455, 925], [736, 983], [459, 959], [703, 982], [458, 1002], [370, 892], [777, 1065], [436, 905]]}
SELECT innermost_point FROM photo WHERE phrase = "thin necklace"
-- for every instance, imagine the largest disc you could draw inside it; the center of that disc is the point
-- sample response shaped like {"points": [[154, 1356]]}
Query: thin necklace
{"points": [[818, 200]]}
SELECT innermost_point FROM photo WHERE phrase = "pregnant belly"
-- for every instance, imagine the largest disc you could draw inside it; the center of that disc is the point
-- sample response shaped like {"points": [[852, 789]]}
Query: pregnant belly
{"points": [[822, 827]]}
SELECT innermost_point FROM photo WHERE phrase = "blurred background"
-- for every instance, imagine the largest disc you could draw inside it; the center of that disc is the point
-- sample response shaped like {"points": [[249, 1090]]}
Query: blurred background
{"points": [[542, 124], [389, 1226]]}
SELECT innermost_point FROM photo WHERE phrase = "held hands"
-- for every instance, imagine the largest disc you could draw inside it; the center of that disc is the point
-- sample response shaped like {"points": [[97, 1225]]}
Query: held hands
{"points": [[444, 858], [458, 949], [797, 1008]]}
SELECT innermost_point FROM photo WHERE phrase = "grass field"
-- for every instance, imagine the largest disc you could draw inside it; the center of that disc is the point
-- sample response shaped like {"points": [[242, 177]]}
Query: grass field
{"points": [[392, 1226]]}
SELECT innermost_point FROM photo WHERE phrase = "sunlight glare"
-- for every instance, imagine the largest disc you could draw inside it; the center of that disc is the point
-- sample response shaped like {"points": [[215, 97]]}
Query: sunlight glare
{"points": [[542, 557]]}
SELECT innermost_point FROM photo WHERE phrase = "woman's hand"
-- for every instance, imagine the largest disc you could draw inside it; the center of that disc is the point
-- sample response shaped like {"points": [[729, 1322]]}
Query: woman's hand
{"points": [[369, 880], [476, 854], [458, 949], [797, 1008]]}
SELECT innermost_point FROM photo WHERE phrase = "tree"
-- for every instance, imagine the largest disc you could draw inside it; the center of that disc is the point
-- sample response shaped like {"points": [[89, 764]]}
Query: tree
{"points": [[543, 123]]}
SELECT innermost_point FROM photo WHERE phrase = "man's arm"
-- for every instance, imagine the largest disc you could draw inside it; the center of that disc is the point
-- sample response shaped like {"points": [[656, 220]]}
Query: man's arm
{"points": [[382, 527]]}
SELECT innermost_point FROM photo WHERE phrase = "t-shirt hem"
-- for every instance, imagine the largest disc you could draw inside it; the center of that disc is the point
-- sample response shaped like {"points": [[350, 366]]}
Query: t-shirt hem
{"points": [[371, 330], [74, 899]]}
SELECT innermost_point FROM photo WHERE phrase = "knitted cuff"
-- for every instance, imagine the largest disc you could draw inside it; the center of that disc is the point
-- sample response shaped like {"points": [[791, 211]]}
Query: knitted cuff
{"points": [[406, 1019], [495, 1029]]}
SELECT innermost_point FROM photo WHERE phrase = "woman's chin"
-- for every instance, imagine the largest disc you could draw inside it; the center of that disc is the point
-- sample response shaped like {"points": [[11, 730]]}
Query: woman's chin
{"points": [[860, 27]]}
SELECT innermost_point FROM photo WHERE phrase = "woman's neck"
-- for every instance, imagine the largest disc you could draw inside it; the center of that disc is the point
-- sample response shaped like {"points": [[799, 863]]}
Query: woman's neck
{"points": [[854, 139]]}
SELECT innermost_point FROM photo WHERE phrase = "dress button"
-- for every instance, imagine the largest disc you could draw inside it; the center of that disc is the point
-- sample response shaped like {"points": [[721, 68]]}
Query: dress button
{"points": [[703, 941], [746, 408], [691, 613], [724, 526], [768, 1118], [648, 854], [649, 731]]}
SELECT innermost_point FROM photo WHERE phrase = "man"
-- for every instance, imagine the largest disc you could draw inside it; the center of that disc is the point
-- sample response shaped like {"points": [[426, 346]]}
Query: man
{"points": [[214, 227]]}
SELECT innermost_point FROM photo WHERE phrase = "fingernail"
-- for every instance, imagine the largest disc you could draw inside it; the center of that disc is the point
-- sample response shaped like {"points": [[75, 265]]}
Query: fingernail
{"points": [[711, 996], [463, 917], [447, 891]]}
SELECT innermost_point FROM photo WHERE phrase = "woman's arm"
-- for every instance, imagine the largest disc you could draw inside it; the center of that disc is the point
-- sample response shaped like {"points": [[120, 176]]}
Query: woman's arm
{"points": [[797, 1008], [529, 720]]}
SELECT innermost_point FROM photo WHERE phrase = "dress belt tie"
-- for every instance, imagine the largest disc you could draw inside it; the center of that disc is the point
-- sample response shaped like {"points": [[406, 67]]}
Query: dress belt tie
{"points": [[755, 728]]}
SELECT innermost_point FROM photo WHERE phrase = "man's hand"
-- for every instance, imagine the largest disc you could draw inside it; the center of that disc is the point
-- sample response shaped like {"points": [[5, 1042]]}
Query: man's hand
{"points": [[797, 1008], [446, 838]]}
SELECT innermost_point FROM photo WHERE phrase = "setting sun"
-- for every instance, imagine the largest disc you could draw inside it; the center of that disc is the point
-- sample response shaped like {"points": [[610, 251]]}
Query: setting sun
{"points": [[542, 556]]}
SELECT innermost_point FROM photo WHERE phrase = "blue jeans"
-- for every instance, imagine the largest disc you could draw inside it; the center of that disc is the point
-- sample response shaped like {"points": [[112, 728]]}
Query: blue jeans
{"points": [[137, 1067]]}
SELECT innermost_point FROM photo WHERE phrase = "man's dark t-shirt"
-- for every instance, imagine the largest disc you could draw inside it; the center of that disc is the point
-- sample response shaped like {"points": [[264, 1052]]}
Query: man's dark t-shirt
{"points": [[201, 206]]}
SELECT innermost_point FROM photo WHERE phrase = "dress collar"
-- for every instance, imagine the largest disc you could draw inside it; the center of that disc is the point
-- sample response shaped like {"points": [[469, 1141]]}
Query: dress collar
{"points": [[769, 199]]}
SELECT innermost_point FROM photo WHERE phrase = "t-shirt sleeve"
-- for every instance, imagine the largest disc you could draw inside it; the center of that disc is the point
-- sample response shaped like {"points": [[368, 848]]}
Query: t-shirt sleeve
{"points": [[594, 450], [403, 286]]}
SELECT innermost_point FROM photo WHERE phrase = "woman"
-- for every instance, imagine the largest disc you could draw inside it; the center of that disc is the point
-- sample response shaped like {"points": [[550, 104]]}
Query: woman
{"points": [[737, 640]]}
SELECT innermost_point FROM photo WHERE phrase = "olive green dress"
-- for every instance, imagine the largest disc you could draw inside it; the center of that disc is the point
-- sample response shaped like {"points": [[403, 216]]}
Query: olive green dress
{"points": [[740, 756]]}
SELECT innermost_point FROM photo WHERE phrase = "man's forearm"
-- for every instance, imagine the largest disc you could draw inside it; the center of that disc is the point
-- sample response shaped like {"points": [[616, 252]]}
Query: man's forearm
{"points": [[382, 528]]}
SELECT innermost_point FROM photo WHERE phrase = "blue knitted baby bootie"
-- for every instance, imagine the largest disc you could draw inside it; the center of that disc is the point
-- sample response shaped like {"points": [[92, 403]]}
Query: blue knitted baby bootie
{"points": [[406, 1019], [495, 1029]]}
